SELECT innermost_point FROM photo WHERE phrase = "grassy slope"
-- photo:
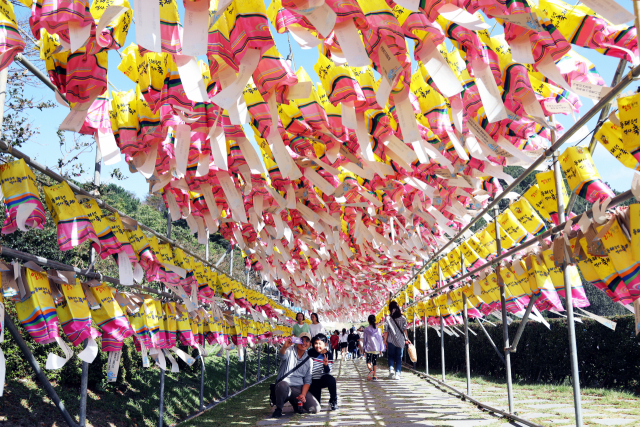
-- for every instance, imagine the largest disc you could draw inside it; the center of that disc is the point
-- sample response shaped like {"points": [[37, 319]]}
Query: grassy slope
{"points": [[26, 404]]}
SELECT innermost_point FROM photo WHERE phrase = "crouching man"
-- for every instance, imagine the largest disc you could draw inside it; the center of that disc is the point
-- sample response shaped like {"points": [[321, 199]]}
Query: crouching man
{"points": [[295, 385]]}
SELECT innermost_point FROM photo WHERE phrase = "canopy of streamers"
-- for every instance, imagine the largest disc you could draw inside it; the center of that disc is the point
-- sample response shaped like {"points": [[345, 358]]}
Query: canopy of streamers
{"points": [[46, 301], [357, 179]]}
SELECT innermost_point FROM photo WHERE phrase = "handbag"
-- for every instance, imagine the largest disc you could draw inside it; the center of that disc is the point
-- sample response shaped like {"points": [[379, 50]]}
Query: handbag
{"points": [[272, 387]]}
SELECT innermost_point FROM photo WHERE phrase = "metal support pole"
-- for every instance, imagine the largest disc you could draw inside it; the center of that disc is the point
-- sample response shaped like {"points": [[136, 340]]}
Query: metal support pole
{"points": [[202, 368], [3, 94], [168, 225], [84, 378], [84, 381], [98, 167], [523, 322], [505, 325], [38, 371], [161, 406], [575, 374], [268, 359], [441, 324], [259, 353], [491, 341], [226, 382], [231, 263], [465, 315], [414, 337], [244, 375], [206, 248], [605, 110], [442, 344], [426, 345], [466, 342]]}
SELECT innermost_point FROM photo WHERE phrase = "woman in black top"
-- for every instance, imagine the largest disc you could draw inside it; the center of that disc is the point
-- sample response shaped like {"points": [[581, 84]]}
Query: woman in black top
{"points": [[353, 339], [321, 370]]}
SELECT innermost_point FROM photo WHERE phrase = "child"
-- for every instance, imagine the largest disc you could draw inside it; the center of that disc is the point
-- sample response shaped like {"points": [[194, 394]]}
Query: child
{"points": [[373, 346]]}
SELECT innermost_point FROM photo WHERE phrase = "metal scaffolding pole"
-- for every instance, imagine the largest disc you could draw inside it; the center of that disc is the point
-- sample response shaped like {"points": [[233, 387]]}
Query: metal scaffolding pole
{"points": [[259, 353], [466, 328], [202, 368], [84, 382], [268, 359], [226, 382], [426, 345], [505, 326], [490, 340], [206, 248], [573, 350], [84, 379], [244, 375], [161, 404], [414, 337], [441, 325], [42, 378]]}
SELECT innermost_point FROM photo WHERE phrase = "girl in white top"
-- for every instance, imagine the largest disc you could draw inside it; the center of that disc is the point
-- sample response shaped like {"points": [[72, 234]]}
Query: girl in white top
{"points": [[344, 343], [315, 327]]}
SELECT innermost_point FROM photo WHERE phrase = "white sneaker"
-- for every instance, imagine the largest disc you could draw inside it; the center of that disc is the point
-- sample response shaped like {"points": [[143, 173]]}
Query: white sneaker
{"points": [[397, 376], [392, 373]]}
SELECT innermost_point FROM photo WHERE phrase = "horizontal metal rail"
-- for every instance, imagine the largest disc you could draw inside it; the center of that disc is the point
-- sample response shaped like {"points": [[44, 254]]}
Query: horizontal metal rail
{"points": [[604, 101], [12, 253], [475, 401], [39, 74], [620, 198]]}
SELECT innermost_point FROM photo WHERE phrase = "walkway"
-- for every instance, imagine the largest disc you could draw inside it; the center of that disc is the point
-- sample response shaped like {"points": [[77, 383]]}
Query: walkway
{"points": [[408, 402]]}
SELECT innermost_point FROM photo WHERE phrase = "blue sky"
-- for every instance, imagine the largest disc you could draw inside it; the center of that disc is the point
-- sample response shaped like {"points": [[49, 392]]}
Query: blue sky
{"points": [[44, 147]]}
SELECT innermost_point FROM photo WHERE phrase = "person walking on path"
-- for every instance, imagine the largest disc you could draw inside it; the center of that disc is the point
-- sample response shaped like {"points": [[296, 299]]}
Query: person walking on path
{"points": [[316, 327], [395, 330], [353, 339], [321, 371], [335, 344], [295, 386], [300, 326], [373, 345], [343, 343]]}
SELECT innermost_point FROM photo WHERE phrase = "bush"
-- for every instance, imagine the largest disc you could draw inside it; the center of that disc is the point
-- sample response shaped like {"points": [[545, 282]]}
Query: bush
{"points": [[606, 358]]}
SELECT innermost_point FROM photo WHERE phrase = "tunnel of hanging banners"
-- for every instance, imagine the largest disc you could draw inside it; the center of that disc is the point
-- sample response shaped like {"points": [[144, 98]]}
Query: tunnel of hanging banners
{"points": [[384, 167]]}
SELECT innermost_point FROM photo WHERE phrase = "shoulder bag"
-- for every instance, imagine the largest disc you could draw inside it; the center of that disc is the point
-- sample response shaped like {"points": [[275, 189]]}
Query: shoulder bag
{"points": [[411, 349], [272, 387]]}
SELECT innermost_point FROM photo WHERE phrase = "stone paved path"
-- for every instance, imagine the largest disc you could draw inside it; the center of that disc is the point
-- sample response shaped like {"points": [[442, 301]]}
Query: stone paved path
{"points": [[386, 402]]}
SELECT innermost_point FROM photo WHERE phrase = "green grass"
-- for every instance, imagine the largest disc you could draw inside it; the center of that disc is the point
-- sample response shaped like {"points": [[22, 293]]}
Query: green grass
{"points": [[605, 403], [246, 409], [132, 404]]}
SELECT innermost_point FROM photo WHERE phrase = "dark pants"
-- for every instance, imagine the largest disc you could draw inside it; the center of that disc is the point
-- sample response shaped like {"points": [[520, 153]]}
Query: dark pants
{"points": [[394, 354], [336, 352], [325, 381], [286, 393]]}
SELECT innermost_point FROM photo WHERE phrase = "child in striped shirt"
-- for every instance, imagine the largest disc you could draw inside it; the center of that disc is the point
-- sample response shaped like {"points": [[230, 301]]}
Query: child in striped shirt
{"points": [[321, 370]]}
